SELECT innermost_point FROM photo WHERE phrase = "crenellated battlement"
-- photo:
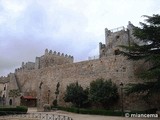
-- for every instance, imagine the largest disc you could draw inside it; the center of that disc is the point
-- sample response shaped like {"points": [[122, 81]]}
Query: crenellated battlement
{"points": [[26, 66], [49, 52], [37, 78], [48, 59], [114, 38], [52, 58], [4, 79]]}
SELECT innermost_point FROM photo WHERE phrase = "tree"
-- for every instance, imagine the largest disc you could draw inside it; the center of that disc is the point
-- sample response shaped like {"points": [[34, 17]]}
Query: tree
{"points": [[56, 93], [103, 93], [149, 51], [57, 90], [76, 95]]}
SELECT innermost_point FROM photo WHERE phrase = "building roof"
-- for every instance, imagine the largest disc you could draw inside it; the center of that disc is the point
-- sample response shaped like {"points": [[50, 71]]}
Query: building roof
{"points": [[28, 97]]}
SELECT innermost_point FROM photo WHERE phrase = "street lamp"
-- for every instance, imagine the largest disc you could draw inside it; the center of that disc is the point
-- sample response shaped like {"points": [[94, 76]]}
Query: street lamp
{"points": [[122, 107], [48, 95]]}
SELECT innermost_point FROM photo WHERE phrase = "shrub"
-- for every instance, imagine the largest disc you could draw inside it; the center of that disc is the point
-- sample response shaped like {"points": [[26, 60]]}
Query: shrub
{"points": [[151, 111], [103, 93], [104, 112], [55, 104], [47, 107], [15, 110], [22, 109], [76, 95], [92, 111]]}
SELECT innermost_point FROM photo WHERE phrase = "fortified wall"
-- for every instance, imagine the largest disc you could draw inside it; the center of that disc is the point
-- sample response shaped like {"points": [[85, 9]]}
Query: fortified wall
{"points": [[116, 37], [6, 84], [38, 82], [40, 78], [51, 59], [46, 60]]}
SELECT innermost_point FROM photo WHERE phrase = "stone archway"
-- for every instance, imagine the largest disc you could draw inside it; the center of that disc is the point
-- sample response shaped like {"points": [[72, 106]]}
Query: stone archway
{"points": [[10, 102]]}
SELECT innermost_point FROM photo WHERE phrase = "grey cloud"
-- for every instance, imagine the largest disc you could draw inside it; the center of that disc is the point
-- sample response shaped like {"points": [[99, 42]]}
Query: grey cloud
{"points": [[39, 24], [26, 36]]}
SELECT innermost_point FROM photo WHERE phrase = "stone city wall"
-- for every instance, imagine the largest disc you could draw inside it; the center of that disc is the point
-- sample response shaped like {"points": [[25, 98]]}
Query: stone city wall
{"points": [[46, 60], [37, 78], [117, 68]]}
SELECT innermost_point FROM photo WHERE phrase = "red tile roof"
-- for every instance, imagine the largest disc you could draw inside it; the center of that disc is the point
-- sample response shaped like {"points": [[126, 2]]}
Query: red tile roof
{"points": [[28, 97]]}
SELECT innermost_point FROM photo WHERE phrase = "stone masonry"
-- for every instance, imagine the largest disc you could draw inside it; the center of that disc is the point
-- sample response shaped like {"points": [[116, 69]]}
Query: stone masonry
{"points": [[39, 77]]}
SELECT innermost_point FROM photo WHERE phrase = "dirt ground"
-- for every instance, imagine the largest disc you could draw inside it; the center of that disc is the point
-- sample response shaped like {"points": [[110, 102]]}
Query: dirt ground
{"points": [[91, 117]]}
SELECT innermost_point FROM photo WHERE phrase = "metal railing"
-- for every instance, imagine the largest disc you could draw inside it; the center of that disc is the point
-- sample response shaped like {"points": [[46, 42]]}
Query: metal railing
{"points": [[36, 116], [93, 57], [117, 29]]}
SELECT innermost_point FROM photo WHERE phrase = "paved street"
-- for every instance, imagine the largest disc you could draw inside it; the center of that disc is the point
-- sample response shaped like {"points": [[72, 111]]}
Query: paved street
{"points": [[91, 117]]}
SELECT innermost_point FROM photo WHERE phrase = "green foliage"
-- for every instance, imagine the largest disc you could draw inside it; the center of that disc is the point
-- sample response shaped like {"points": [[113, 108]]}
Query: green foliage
{"points": [[76, 95], [57, 89], [22, 108], [105, 112], [55, 102], [103, 93], [69, 109], [92, 111], [146, 87], [149, 51], [100, 112], [14, 93], [13, 110]]}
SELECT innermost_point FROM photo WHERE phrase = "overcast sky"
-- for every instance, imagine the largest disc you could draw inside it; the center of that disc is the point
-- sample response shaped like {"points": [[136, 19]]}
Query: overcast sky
{"points": [[75, 27]]}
